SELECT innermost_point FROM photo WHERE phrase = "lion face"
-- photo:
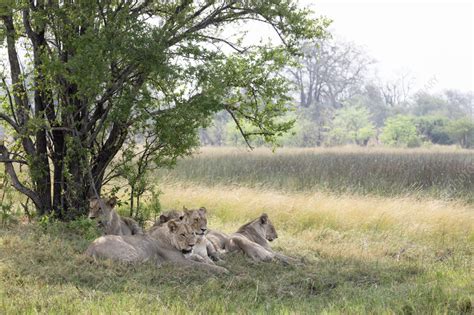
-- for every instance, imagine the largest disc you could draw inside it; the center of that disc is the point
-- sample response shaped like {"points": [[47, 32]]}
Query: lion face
{"points": [[270, 232], [182, 234], [100, 209], [197, 219]]}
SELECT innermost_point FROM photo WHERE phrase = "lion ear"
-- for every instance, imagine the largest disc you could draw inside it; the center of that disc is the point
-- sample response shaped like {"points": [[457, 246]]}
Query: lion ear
{"points": [[112, 201], [164, 218], [202, 210], [172, 226], [264, 218]]}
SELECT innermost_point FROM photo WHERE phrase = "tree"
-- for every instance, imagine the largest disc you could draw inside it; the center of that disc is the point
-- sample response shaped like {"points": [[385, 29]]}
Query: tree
{"points": [[371, 96], [429, 104], [98, 74], [462, 131], [397, 92], [351, 124], [400, 131], [215, 134], [433, 129], [330, 73]]}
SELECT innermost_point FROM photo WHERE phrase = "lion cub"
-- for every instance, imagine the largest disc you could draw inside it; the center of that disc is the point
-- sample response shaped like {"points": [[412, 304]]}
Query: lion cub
{"points": [[109, 220]]}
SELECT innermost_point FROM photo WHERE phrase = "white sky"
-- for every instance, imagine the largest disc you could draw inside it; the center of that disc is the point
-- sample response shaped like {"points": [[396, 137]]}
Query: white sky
{"points": [[428, 39]]}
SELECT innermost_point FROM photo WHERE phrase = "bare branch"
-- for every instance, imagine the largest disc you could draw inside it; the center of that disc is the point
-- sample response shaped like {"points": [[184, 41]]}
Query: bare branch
{"points": [[242, 132]]}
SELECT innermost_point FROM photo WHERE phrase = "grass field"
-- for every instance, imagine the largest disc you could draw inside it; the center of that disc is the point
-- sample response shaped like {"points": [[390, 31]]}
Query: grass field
{"points": [[359, 254], [439, 173]]}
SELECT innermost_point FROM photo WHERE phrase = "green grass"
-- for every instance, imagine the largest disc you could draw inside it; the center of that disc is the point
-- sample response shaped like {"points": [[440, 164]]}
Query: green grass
{"points": [[384, 172]]}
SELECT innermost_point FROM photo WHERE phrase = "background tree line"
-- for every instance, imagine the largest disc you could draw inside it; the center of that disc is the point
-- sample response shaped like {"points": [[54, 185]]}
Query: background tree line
{"points": [[337, 101]]}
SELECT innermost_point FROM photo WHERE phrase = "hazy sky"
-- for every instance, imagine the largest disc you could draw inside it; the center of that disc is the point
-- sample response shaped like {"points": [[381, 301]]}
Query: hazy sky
{"points": [[426, 38]]}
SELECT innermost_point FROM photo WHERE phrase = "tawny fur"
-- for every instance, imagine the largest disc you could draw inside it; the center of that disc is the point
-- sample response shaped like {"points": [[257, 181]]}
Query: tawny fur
{"points": [[168, 243], [253, 240], [109, 220]]}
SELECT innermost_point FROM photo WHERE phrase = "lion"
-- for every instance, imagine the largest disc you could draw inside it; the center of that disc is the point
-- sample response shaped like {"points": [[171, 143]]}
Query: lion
{"points": [[253, 240], [167, 216], [203, 251], [217, 240], [168, 243], [109, 220]]}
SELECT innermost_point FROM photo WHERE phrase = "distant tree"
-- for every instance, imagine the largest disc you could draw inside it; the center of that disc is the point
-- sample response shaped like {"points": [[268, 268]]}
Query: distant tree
{"points": [[215, 133], [425, 104], [397, 92], [372, 97], [400, 131], [460, 104], [433, 129], [450, 104], [351, 124], [330, 72], [462, 131]]}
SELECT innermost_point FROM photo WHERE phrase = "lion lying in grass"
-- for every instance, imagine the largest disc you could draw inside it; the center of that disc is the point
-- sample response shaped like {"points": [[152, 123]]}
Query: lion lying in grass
{"points": [[169, 242], [253, 240], [109, 220], [204, 251]]}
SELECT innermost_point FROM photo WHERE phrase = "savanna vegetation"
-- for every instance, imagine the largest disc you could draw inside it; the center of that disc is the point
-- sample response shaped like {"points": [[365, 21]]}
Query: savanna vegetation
{"points": [[104, 97], [358, 253], [438, 173]]}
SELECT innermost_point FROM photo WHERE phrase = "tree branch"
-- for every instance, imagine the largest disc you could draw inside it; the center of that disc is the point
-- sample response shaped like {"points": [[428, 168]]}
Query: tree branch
{"points": [[244, 135], [4, 158]]}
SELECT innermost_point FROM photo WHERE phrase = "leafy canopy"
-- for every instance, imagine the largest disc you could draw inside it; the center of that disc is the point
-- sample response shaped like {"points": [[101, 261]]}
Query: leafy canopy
{"points": [[98, 75]]}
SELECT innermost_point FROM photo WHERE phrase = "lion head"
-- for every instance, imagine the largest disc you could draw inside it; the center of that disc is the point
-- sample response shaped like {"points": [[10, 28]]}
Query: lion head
{"points": [[260, 228], [181, 236], [270, 232], [100, 209], [197, 219]]}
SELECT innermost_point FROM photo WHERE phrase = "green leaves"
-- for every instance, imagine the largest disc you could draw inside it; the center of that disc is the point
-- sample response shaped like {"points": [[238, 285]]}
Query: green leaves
{"points": [[400, 131], [101, 74], [351, 124]]}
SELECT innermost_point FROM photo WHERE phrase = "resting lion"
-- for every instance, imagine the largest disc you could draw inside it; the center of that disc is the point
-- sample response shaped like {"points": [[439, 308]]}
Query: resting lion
{"points": [[253, 240], [203, 251], [167, 243], [109, 220]]}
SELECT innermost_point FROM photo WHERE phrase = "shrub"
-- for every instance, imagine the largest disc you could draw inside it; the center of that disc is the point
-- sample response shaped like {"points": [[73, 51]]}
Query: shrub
{"points": [[400, 131]]}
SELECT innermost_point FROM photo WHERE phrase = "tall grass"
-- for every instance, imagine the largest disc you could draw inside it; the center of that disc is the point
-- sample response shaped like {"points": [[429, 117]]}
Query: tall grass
{"points": [[440, 174]]}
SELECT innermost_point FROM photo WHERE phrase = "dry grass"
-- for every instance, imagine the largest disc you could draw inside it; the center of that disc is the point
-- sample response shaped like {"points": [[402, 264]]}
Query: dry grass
{"points": [[310, 220]]}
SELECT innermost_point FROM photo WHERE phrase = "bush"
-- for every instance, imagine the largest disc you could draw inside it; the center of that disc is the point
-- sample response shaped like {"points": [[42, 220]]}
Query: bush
{"points": [[462, 131], [351, 125], [401, 131]]}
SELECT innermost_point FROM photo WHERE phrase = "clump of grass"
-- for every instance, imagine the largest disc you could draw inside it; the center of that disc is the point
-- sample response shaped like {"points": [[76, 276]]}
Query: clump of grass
{"points": [[440, 174]]}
